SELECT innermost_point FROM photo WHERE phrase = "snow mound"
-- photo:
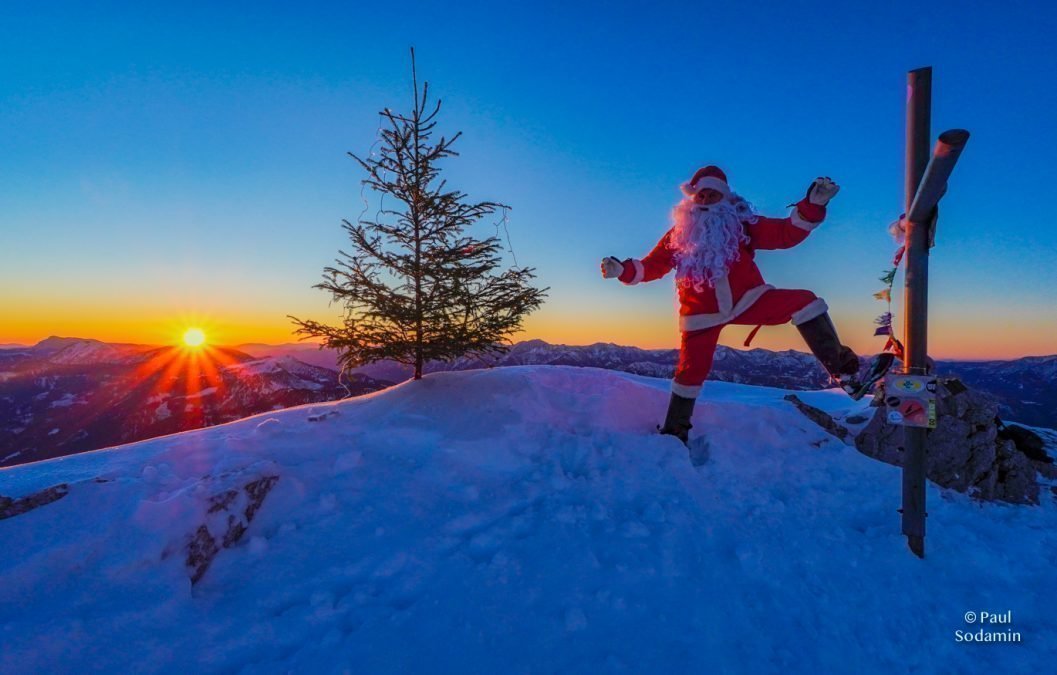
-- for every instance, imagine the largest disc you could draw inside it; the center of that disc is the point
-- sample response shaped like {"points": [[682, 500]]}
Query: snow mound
{"points": [[522, 519]]}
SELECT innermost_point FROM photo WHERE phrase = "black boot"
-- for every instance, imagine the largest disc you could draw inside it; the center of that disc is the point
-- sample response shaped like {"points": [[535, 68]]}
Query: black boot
{"points": [[677, 421], [821, 337]]}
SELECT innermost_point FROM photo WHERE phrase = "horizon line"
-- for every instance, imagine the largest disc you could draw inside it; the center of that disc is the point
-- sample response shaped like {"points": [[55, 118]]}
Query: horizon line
{"points": [[320, 347]]}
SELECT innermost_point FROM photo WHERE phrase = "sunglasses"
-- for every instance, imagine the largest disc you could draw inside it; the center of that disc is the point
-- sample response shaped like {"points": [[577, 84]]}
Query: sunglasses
{"points": [[708, 196]]}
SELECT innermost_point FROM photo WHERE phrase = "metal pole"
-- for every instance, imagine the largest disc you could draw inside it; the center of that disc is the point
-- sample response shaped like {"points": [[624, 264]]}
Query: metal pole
{"points": [[919, 113], [933, 184]]}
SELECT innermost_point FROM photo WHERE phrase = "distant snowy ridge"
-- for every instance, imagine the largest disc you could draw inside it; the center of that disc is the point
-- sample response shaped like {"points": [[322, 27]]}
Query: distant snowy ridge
{"points": [[68, 395], [787, 369], [1026, 388], [523, 519], [95, 393], [81, 351]]}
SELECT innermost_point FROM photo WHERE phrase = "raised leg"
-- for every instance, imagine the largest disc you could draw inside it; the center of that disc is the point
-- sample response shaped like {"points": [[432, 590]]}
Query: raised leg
{"points": [[821, 337], [810, 315]]}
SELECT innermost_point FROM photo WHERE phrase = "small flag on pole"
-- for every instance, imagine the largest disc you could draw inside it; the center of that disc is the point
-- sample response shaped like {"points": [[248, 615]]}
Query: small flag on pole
{"points": [[888, 277], [899, 256]]}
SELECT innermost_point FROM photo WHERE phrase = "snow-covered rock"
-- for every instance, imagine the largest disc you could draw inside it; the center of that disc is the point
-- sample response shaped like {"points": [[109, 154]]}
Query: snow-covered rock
{"points": [[523, 519]]}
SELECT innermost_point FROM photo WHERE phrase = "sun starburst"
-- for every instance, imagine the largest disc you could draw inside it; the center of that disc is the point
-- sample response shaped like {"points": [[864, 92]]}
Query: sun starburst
{"points": [[194, 337]]}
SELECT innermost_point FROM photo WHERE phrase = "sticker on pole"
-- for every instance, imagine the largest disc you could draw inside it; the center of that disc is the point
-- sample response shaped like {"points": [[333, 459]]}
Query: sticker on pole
{"points": [[911, 400]]}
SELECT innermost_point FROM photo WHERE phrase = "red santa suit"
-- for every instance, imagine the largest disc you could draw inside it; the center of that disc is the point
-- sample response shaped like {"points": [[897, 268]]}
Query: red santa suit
{"points": [[740, 297]]}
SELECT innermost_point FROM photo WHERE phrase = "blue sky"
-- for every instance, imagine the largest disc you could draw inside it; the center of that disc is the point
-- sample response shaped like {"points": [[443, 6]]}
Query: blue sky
{"points": [[163, 162]]}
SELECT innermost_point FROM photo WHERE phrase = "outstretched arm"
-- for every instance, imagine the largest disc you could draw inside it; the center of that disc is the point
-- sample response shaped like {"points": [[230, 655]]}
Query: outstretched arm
{"points": [[809, 212], [655, 265]]}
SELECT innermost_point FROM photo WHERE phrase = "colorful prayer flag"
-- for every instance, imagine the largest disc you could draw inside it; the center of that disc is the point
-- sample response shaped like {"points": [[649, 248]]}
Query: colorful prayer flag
{"points": [[899, 256]]}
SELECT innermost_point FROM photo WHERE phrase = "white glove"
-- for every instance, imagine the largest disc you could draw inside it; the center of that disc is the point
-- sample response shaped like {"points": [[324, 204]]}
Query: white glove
{"points": [[611, 268], [822, 190]]}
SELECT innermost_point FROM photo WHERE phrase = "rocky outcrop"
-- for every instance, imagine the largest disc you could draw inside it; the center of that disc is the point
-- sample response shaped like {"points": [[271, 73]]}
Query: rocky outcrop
{"points": [[965, 451], [227, 518], [1027, 441], [821, 418], [9, 507]]}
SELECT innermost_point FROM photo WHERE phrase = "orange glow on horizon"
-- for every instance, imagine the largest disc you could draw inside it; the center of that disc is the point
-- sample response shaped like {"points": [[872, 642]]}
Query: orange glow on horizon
{"points": [[951, 335]]}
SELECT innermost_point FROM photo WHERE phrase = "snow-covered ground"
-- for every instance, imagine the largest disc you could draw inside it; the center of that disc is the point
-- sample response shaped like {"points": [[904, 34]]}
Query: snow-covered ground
{"points": [[517, 520]]}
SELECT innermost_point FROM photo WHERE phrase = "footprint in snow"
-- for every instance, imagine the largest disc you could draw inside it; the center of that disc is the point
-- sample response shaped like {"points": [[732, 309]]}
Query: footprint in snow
{"points": [[700, 451]]}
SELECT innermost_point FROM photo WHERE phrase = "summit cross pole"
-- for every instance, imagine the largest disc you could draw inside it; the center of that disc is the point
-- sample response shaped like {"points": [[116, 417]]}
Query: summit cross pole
{"points": [[926, 183], [916, 298]]}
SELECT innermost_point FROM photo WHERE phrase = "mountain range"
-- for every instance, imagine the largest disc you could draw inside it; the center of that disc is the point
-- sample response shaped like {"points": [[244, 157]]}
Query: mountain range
{"points": [[785, 369], [1025, 388], [68, 395]]}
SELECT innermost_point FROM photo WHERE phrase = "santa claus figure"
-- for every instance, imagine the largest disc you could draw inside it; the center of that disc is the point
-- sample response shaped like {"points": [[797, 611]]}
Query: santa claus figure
{"points": [[711, 245]]}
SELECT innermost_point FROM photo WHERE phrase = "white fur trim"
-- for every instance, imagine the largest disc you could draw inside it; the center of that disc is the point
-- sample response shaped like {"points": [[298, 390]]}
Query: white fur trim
{"points": [[640, 272], [709, 182], [813, 309], [691, 322], [800, 222], [723, 295], [685, 390], [749, 298], [712, 183]]}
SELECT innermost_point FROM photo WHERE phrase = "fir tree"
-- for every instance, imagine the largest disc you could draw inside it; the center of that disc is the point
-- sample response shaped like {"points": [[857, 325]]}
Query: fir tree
{"points": [[417, 286]]}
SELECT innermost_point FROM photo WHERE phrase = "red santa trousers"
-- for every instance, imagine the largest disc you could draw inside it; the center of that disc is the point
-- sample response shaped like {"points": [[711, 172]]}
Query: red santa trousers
{"points": [[775, 307]]}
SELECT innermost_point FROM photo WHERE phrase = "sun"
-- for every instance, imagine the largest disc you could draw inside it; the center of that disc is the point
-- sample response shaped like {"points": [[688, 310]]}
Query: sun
{"points": [[194, 337]]}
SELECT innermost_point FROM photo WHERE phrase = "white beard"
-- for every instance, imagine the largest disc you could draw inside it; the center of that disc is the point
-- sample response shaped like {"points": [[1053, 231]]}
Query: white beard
{"points": [[707, 239]]}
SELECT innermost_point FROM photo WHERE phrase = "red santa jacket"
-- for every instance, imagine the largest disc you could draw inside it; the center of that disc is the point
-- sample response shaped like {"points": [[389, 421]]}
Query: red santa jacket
{"points": [[743, 284]]}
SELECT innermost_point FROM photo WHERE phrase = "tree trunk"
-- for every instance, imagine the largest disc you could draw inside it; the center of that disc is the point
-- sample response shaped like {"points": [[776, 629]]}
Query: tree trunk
{"points": [[417, 170]]}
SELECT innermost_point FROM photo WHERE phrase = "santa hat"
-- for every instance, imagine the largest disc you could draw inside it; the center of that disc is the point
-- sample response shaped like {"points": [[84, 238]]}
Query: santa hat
{"points": [[709, 177]]}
